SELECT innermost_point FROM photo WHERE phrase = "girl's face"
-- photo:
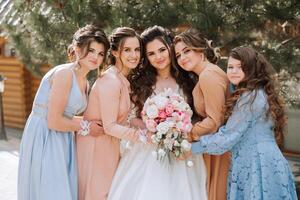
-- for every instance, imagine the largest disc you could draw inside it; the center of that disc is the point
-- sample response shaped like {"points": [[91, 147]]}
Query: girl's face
{"points": [[235, 73], [94, 57], [187, 58], [158, 54], [130, 54]]}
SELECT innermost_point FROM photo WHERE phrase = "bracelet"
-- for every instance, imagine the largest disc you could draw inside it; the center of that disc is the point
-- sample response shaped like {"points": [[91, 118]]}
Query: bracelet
{"points": [[143, 135], [85, 128]]}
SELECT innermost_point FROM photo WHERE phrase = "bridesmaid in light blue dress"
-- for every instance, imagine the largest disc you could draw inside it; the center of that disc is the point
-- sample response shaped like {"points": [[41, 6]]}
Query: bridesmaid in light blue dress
{"points": [[256, 116], [47, 166]]}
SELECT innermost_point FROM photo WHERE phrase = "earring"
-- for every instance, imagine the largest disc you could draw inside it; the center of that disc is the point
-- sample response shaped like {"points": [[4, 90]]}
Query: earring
{"points": [[77, 66], [202, 57]]}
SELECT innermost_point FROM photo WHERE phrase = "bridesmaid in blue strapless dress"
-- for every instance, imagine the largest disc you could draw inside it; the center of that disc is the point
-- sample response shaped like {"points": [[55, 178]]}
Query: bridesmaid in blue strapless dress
{"points": [[48, 166]]}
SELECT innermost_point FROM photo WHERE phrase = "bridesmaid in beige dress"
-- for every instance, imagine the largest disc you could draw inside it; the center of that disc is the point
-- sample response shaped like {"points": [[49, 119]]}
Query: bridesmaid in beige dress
{"points": [[194, 53], [109, 101]]}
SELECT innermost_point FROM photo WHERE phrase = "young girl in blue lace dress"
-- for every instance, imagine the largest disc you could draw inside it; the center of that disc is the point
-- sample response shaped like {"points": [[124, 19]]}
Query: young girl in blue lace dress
{"points": [[255, 119]]}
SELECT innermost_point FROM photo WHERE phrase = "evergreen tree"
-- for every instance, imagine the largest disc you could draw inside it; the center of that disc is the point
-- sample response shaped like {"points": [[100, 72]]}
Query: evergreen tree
{"points": [[41, 30]]}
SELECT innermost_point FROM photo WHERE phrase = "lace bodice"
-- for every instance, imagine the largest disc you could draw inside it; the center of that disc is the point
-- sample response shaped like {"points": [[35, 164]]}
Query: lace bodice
{"points": [[258, 169]]}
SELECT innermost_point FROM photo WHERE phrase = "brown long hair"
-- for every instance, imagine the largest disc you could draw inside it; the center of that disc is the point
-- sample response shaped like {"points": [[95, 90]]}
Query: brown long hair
{"points": [[259, 74], [193, 38], [143, 78]]}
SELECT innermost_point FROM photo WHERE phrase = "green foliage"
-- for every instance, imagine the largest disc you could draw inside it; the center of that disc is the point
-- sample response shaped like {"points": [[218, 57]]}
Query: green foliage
{"points": [[42, 30], [141, 14], [290, 87]]}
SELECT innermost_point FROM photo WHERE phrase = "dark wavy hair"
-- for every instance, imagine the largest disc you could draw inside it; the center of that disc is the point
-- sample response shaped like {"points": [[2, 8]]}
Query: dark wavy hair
{"points": [[83, 38], [117, 40], [143, 78], [193, 38], [259, 73]]}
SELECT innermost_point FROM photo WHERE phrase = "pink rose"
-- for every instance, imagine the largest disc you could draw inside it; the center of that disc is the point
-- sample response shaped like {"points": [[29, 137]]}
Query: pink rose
{"points": [[162, 114], [151, 125], [169, 109], [187, 127], [186, 118]]}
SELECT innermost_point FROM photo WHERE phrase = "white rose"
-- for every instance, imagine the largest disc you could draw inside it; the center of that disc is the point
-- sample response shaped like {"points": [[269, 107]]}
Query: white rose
{"points": [[170, 124], [182, 106], [175, 103], [169, 143], [179, 126], [163, 127], [160, 101], [152, 111], [186, 145], [169, 119]]}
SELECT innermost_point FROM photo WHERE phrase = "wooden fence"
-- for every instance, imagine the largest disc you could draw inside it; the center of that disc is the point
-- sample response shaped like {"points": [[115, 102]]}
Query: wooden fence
{"points": [[20, 88]]}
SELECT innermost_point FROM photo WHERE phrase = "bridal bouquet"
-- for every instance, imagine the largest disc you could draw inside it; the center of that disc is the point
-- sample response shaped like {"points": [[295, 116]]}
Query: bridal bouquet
{"points": [[169, 117]]}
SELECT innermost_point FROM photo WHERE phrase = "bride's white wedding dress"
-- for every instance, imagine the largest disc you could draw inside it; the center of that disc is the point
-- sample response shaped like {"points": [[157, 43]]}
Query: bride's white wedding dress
{"points": [[140, 176]]}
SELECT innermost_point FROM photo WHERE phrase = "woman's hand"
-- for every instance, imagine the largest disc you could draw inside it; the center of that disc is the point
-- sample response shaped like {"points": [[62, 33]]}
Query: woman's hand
{"points": [[96, 128], [190, 137], [185, 155], [145, 136], [149, 135], [137, 123]]}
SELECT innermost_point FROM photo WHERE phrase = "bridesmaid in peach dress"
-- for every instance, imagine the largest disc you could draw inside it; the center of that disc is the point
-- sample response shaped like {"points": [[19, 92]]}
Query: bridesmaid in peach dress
{"points": [[109, 101], [194, 53]]}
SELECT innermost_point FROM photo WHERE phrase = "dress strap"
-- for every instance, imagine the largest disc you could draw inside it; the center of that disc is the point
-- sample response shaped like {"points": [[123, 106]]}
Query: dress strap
{"points": [[86, 90], [177, 88]]}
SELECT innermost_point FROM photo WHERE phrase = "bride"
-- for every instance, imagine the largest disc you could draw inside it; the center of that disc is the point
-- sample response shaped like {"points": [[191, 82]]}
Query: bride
{"points": [[140, 176]]}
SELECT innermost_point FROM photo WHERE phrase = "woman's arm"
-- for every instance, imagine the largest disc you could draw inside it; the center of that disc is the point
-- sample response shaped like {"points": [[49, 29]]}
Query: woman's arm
{"points": [[60, 90], [213, 88], [242, 118], [137, 123], [109, 95]]}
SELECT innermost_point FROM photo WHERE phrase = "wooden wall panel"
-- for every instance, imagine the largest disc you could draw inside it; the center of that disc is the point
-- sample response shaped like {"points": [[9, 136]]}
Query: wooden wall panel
{"points": [[20, 88]]}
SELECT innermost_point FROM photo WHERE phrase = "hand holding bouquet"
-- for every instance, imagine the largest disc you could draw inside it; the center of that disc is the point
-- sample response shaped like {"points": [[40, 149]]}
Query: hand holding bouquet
{"points": [[168, 116]]}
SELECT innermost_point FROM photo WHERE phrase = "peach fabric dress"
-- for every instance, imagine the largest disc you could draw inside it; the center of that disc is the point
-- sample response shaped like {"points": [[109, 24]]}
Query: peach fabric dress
{"points": [[98, 157], [209, 98]]}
